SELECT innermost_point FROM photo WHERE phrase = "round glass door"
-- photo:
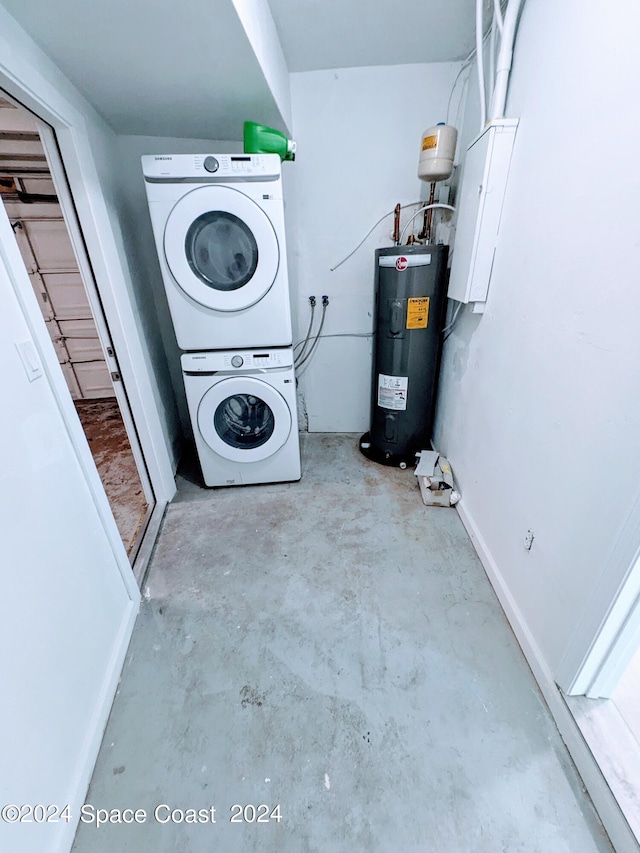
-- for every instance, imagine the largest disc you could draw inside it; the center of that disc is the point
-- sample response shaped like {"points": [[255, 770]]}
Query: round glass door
{"points": [[244, 419], [221, 248]]}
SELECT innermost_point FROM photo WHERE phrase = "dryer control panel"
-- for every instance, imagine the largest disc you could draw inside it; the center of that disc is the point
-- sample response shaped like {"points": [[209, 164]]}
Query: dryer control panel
{"points": [[240, 360], [205, 168]]}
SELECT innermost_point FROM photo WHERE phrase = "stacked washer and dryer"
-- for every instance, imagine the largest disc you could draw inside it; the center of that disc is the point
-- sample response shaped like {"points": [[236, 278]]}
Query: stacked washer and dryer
{"points": [[218, 222]]}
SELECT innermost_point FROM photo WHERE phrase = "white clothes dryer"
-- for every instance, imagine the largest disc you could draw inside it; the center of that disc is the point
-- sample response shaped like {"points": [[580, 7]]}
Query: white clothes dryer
{"points": [[218, 222], [242, 405]]}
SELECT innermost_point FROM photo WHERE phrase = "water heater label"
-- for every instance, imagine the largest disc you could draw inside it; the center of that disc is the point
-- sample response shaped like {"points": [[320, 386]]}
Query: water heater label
{"points": [[429, 142], [418, 312], [392, 392]]}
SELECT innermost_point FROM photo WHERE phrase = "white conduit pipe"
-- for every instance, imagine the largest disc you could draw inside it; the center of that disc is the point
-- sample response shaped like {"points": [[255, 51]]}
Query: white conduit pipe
{"points": [[480, 64], [492, 51], [505, 57], [497, 11], [435, 206]]}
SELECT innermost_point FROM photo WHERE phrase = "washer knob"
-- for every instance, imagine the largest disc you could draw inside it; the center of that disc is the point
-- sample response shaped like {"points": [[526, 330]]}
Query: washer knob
{"points": [[211, 164], [237, 361]]}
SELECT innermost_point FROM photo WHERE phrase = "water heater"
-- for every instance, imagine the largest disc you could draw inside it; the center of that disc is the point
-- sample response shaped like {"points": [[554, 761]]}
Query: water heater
{"points": [[410, 304]]}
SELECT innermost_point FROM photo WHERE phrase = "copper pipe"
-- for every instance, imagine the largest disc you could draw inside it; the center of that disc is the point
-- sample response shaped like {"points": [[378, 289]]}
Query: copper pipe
{"points": [[396, 225], [432, 198], [425, 234]]}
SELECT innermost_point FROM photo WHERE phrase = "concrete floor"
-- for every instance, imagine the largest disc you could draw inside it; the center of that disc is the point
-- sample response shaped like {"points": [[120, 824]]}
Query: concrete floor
{"points": [[334, 647]]}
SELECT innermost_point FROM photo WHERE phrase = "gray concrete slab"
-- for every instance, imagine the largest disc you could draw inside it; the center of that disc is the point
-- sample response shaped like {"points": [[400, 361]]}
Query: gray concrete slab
{"points": [[332, 647]]}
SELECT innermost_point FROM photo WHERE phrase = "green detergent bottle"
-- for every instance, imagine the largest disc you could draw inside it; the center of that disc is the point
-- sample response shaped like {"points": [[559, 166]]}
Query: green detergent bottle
{"points": [[259, 139]]}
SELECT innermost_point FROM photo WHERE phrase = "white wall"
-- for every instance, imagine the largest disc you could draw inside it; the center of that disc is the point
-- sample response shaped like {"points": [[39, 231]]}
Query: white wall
{"points": [[358, 132], [539, 409], [140, 245]]}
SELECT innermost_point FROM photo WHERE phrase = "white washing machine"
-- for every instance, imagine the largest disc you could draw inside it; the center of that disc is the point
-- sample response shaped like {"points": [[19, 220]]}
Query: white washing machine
{"points": [[218, 221], [242, 405]]}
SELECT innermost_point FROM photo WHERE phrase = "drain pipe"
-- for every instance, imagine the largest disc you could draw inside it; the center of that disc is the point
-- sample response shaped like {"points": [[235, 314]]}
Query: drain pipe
{"points": [[505, 57]]}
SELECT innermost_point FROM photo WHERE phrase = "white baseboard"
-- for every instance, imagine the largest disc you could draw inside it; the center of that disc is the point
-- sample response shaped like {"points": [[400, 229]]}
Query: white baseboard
{"points": [[95, 733], [603, 799]]}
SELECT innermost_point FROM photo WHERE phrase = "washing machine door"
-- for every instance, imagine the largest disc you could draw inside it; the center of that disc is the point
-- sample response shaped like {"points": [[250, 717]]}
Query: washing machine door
{"points": [[244, 419], [221, 248]]}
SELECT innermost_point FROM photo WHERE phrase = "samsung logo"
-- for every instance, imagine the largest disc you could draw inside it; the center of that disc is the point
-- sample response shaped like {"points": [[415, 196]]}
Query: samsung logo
{"points": [[163, 158]]}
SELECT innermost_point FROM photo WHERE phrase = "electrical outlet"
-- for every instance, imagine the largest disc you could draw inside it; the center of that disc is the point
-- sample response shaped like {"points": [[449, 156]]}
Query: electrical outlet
{"points": [[528, 540]]}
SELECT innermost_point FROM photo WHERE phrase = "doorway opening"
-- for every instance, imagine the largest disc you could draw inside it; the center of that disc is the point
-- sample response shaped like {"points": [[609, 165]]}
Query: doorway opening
{"points": [[38, 203], [604, 697]]}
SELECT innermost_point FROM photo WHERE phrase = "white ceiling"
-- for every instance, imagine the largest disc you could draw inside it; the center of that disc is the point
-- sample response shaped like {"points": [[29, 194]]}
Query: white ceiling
{"points": [[155, 67], [318, 34], [187, 69]]}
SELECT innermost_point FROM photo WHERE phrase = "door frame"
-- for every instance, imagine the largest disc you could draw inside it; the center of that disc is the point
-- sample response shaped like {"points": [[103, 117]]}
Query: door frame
{"points": [[29, 77], [65, 200]]}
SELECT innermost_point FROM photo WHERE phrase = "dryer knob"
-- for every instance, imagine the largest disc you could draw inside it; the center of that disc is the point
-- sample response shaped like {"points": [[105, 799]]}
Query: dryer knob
{"points": [[237, 361], [211, 164]]}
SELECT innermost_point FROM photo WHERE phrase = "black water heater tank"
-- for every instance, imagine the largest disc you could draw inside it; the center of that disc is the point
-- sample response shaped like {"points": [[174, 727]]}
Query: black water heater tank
{"points": [[410, 304]]}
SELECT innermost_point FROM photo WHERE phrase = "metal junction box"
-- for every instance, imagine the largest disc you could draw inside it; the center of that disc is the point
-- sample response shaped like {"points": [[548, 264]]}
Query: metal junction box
{"points": [[484, 182]]}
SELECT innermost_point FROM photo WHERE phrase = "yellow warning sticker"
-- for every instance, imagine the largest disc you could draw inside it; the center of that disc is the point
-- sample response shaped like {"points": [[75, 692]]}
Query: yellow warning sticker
{"points": [[418, 312], [429, 142]]}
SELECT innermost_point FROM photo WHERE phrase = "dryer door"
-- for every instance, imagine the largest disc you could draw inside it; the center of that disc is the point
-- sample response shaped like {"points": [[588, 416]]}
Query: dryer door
{"points": [[244, 419], [221, 248]]}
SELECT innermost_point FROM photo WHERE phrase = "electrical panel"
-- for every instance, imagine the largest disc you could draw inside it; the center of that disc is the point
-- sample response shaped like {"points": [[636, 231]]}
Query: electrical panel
{"points": [[484, 182]]}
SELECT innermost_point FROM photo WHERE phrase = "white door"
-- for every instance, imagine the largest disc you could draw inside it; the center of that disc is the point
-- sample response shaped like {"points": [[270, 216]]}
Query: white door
{"points": [[221, 248], [68, 597], [244, 419]]}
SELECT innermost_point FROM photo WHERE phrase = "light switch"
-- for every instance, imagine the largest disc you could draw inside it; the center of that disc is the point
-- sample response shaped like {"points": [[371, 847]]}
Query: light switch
{"points": [[30, 359]]}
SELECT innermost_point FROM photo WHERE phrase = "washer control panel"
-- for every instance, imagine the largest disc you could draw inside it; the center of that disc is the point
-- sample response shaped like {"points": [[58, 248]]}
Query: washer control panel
{"points": [[253, 360], [238, 360]]}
